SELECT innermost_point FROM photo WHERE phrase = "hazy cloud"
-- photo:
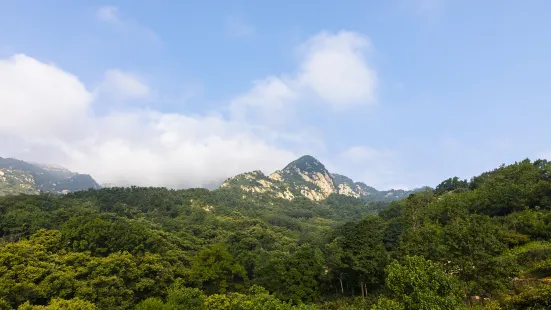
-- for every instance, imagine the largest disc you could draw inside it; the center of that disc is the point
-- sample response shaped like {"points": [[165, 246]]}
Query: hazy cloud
{"points": [[50, 111], [108, 14], [268, 102], [333, 70], [127, 27], [46, 108], [122, 86]]}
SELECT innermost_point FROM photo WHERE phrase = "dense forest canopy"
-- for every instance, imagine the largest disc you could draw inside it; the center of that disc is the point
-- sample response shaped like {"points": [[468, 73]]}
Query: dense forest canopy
{"points": [[482, 243]]}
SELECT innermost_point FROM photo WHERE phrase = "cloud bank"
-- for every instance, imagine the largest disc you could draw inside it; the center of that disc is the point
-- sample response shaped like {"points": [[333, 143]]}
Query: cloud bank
{"points": [[48, 114]]}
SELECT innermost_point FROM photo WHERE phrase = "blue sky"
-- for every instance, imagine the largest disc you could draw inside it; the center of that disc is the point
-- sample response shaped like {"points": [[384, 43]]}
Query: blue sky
{"points": [[398, 93]]}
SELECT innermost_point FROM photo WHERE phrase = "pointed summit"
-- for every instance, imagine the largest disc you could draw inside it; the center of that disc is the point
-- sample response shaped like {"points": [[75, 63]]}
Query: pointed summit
{"points": [[307, 177], [305, 163]]}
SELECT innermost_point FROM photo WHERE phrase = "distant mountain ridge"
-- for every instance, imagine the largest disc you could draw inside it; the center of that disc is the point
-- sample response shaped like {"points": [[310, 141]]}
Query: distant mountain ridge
{"points": [[21, 177], [305, 177], [308, 177]]}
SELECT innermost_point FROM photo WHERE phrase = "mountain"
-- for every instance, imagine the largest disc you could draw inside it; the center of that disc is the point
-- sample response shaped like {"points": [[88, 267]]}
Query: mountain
{"points": [[20, 177], [308, 177]]}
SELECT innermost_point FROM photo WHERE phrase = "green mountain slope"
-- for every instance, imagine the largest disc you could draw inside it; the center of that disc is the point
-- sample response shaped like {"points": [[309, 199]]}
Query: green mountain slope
{"points": [[20, 177], [483, 243]]}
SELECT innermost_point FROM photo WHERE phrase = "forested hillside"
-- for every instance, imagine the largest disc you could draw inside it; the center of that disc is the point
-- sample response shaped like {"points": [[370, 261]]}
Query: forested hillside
{"points": [[483, 243], [20, 177]]}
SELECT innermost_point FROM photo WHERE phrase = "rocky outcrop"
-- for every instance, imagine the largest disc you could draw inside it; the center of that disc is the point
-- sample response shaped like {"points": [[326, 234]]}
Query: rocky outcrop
{"points": [[257, 182], [307, 177], [345, 189]]}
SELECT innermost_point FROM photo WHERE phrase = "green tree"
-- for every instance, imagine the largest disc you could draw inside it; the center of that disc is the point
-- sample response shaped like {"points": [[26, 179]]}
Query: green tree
{"points": [[216, 270], [476, 254], [451, 184], [61, 304], [153, 303], [364, 253], [185, 298], [420, 284], [293, 277]]}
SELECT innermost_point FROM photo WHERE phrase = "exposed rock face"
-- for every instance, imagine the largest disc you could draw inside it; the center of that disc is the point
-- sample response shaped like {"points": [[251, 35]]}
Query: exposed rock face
{"points": [[257, 182], [345, 189], [285, 195], [276, 176], [307, 177]]}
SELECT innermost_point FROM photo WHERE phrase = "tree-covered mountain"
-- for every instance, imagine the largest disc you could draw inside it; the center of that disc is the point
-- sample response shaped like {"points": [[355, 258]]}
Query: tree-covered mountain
{"points": [[483, 243], [20, 177], [308, 177]]}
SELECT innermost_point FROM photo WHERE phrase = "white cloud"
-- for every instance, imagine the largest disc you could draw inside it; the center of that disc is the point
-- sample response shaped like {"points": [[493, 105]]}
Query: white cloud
{"points": [[108, 13], [45, 108], [40, 101], [335, 68], [122, 86], [268, 102], [174, 150], [238, 28], [48, 113]]}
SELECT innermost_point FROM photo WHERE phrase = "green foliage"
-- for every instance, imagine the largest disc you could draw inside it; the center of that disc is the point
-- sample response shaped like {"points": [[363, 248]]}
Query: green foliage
{"points": [[153, 303], [421, 284], [388, 304], [185, 298], [536, 297], [105, 236], [256, 298], [365, 255], [216, 270], [19, 177], [534, 223], [451, 184], [486, 240], [293, 276], [476, 254], [61, 304], [512, 188]]}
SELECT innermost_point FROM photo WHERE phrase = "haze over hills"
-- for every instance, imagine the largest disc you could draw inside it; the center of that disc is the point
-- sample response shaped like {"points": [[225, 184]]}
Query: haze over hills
{"points": [[308, 177], [20, 177]]}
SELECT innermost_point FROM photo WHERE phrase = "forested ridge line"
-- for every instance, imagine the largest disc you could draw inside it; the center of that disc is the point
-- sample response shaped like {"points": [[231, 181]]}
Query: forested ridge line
{"points": [[482, 243]]}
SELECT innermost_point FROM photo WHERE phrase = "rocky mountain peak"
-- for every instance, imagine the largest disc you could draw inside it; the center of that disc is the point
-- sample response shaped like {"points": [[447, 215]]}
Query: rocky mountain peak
{"points": [[307, 177], [307, 164]]}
